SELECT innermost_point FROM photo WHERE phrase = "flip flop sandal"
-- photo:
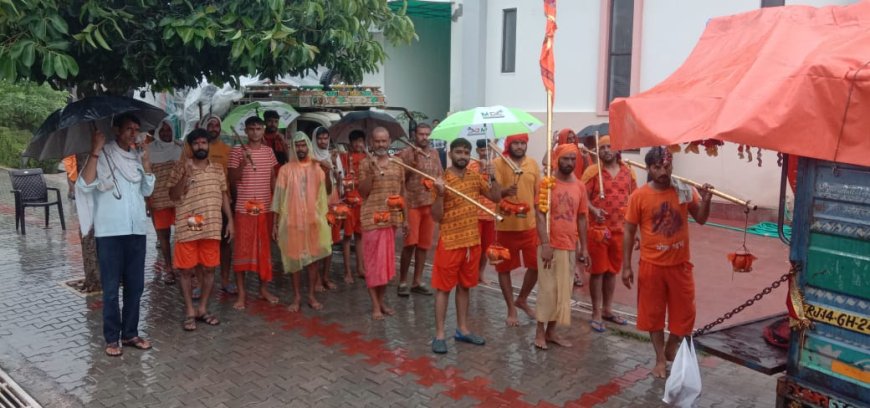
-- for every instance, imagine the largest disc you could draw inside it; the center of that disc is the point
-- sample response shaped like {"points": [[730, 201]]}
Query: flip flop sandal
{"points": [[189, 323], [422, 290], [231, 289], [114, 350], [137, 343], [616, 319], [196, 294], [439, 346], [208, 319], [470, 338], [597, 326]]}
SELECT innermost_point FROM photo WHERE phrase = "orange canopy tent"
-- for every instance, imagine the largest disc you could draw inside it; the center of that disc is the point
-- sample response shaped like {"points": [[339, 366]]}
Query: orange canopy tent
{"points": [[794, 79]]}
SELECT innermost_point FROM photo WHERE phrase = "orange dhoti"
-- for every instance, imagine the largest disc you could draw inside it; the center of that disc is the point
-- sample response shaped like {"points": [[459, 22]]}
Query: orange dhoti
{"points": [[252, 244], [666, 289]]}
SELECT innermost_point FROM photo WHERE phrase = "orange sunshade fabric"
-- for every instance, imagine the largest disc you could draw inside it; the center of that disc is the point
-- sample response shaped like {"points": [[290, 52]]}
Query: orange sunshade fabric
{"points": [[793, 79]]}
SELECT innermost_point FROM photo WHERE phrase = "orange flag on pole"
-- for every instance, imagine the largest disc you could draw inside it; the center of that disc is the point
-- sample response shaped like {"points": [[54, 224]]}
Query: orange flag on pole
{"points": [[548, 66]]}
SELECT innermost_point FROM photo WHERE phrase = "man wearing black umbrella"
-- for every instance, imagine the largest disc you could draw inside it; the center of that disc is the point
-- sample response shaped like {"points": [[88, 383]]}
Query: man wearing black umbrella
{"points": [[113, 186]]}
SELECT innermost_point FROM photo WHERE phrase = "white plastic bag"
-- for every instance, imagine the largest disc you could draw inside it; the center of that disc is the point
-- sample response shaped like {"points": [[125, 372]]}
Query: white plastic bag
{"points": [[684, 383]]}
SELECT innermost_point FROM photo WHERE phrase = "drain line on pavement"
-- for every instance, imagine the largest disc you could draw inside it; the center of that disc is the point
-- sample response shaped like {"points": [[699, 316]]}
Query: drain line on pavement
{"points": [[13, 396]]}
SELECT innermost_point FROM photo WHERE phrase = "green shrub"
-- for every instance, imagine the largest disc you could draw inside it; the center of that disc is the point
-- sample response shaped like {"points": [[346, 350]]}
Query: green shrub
{"points": [[25, 105], [12, 144]]}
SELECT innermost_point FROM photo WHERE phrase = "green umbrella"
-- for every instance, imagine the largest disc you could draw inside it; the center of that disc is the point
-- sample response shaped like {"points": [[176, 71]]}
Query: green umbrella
{"points": [[235, 120], [490, 122]]}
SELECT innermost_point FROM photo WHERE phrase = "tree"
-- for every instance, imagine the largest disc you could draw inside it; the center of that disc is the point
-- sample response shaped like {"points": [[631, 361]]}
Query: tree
{"points": [[114, 46], [165, 44]]}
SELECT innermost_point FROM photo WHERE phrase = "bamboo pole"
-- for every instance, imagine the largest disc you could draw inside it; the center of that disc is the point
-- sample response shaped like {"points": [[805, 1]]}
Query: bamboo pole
{"points": [[451, 189], [413, 146], [245, 148], [514, 167], [600, 178], [549, 153]]}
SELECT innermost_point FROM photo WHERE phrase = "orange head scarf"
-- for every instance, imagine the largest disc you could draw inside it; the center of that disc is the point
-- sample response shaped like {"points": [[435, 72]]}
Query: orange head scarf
{"points": [[560, 151], [604, 140], [522, 137], [563, 136]]}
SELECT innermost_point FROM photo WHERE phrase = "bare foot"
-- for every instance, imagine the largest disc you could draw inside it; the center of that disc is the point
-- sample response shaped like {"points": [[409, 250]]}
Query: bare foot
{"points": [[239, 305], [388, 310], [558, 341], [660, 370], [512, 320], [377, 316], [348, 279], [294, 307], [541, 343], [330, 285], [269, 297], [319, 289], [314, 304], [526, 308]]}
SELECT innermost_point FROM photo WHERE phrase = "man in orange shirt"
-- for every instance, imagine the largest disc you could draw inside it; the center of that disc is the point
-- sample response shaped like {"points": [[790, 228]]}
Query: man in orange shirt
{"points": [[665, 284], [274, 140], [458, 253], [605, 232], [561, 248], [421, 227], [352, 227], [517, 232]]}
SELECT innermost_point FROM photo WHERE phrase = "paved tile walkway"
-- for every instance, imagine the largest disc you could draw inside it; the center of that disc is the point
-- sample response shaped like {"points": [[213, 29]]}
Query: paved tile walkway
{"points": [[50, 343]]}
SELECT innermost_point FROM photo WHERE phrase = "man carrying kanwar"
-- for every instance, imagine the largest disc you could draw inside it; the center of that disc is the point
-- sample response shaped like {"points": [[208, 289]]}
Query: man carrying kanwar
{"points": [[165, 153], [517, 232], [665, 284], [421, 227], [352, 228], [457, 257], [606, 230], [300, 205], [111, 191], [252, 175], [199, 187], [380, 180], [561, 249]]}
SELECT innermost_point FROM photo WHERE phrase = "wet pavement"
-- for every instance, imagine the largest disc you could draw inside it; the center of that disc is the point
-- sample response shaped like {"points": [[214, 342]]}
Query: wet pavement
{"points": [[51, 344]]}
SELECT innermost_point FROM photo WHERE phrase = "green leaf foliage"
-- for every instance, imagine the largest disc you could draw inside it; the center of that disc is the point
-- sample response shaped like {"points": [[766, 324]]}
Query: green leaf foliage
{"points": [[24, 104], [168, 44]]}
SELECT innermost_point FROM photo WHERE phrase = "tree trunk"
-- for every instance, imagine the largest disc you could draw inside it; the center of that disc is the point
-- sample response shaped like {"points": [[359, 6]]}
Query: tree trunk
{"points": [[90, 264]]}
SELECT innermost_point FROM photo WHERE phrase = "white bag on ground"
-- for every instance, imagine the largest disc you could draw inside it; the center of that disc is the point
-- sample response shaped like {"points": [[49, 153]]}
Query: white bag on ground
{"points": [[684, 383]]}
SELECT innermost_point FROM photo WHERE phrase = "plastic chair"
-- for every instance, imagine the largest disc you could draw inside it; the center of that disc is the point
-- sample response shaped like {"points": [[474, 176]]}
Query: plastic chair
{"points": [[30, 190]]}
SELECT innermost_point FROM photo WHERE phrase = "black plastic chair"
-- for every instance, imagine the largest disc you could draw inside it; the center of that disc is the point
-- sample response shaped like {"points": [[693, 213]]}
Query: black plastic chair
{"points": [[29, 188]]}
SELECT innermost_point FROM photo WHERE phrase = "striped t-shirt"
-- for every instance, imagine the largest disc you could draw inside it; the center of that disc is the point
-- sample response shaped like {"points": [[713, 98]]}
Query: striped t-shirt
{"points": [[204, 198], [255, 185]]}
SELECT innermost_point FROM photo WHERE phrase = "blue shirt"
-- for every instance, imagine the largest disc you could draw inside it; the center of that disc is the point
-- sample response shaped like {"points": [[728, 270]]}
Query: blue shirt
{"points": [[113, 217]]}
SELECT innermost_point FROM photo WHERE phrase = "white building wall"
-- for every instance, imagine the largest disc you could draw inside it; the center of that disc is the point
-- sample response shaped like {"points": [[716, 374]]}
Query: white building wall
{"points": [[669, 31]]}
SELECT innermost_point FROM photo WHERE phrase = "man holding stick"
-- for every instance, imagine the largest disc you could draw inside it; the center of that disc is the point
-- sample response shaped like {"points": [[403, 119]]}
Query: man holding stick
{"points": [[517, 232], [665, 284], [458, 254], [421, 227]]}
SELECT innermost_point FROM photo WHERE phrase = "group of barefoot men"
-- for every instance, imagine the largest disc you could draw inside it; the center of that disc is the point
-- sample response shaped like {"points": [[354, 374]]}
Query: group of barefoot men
{"points": [[284, 191]]}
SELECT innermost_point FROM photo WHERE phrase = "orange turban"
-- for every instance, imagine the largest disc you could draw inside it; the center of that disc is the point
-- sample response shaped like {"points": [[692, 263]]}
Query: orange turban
{"points": [[562, 150], [563, 136], [521, 137], [604, 140]]}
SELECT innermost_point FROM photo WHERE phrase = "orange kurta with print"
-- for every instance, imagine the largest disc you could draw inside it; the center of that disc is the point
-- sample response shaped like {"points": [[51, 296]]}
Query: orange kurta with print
{"points": [[482, 215], [459, 223], [616, 191], [415, 193], [382, 187], [568, 202], [663, 223]]}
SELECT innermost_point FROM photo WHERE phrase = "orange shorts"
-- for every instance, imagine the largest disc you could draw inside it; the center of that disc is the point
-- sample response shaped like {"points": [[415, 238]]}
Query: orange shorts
{"points": [[205, 252], [352, 224], [421, 227], [606, 253], [516, 242], [163, 218], [455, 266], [486, 229], [662, 289]]}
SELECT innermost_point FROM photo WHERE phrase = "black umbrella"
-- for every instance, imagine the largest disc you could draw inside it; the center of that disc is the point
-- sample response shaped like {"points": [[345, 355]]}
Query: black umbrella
{"points": [[68, 130], [365, 121], [602, 128]]}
